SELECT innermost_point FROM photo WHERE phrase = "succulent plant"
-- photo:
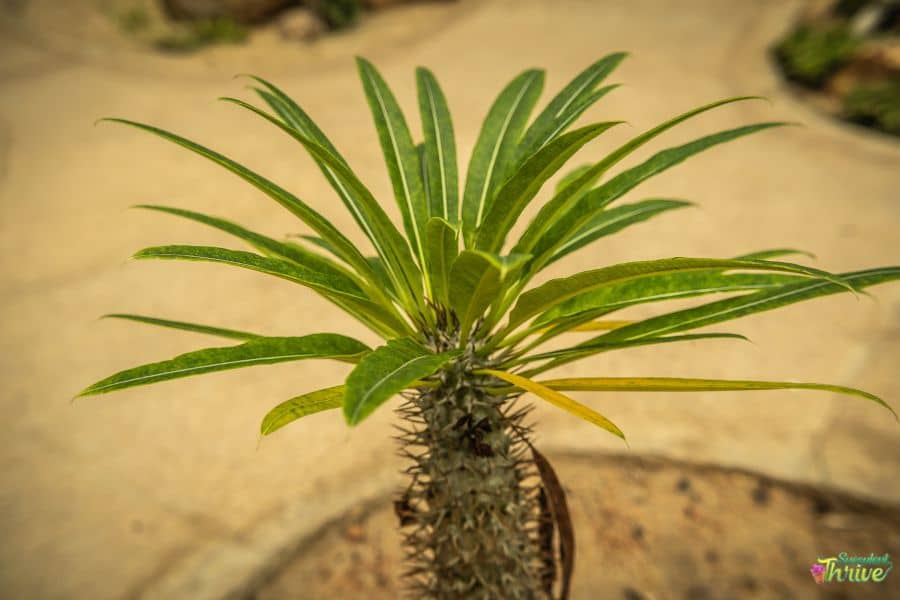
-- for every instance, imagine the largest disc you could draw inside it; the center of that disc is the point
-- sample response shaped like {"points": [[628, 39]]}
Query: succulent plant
{"points": [[463, 323]]}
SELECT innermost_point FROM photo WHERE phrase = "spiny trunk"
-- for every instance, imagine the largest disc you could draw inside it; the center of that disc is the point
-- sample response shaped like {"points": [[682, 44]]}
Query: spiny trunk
{"points": [[472, 513]]}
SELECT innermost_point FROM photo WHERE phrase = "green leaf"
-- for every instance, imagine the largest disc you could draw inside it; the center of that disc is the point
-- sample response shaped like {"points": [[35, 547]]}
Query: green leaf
{"points": [[291, 252], [477, 279], [776, 252], [399, 155], [439, 149], [598, 345], [616, 219], [388, 242], [259, 351], [673, 384], [569, 222], [520, 189], [562, 203], [226, 333], [669, 286], [442, 249], [345, 249], [324, 282], [301, 406], [555, 398], [387, 371], [294, 116], [572, 113], [763, 300], [339, 289], [382, 274], [563, 109], [376, 311], [380, 271], [494, 149], [570, 315], [599, 326], [423, 173], [557, 291], [571, 177]]}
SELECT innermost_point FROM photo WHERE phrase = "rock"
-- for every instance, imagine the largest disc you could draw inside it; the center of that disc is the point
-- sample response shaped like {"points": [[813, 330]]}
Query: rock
{"points": [[885, 52], [629, 593], [876, 60], [381, 3], [816, 10], [355, 533], [245, 11], [376, 4], [300, 24], [761, 494]]}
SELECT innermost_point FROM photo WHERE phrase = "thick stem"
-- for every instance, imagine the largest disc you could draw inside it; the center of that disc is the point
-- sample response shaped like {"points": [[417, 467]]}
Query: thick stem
{"points": [[471, 512]]}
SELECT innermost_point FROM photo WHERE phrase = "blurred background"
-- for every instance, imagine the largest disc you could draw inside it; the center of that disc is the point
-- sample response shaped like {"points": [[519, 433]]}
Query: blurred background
{"points": [[165, 492]]}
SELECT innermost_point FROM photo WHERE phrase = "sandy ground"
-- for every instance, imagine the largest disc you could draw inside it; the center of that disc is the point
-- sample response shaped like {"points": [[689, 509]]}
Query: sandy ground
{"points": [[162, 493]]}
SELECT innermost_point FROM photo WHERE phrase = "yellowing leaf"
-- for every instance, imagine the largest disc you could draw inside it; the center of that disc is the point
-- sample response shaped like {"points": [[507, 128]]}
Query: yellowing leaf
{"points": [[598, 326], [557, 399], [301, 406], [676, 384]]}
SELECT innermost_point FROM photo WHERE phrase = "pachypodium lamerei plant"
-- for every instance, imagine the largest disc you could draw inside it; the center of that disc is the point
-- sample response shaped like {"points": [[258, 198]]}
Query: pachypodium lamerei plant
{"points": [[483, 513]]}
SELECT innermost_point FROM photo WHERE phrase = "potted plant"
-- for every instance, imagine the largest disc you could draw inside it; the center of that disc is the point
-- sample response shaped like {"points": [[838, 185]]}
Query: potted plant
{"points": [[462, 323]]}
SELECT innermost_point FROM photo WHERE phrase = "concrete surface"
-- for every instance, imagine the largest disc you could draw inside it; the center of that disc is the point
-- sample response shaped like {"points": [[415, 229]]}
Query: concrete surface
{"points": [[162, 492]]}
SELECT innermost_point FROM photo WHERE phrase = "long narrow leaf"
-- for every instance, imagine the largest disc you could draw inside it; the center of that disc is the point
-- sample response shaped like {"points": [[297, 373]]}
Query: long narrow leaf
{"points": [[776, 252], [557, 291], [520, 189], [293, 115], [382, 277], [307, 404], [673, 384], [763, 300], [346, 250], [557, 358], [439, 149], [572, 193], [572, 314], [292, 252], [385, 372], [184, 326], [442, 248], [599, 326], [669, 286], [399, 155], [616, 219], [557, 399], [339, 289], [570, 221], [564, 107], [376, 309], [388, 242], [494, 149], [325, 282], [259, 351], [571, 177]]}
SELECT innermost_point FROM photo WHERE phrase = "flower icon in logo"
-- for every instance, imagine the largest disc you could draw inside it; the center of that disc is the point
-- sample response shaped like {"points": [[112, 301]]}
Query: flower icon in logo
{"points": [[818, 573]]}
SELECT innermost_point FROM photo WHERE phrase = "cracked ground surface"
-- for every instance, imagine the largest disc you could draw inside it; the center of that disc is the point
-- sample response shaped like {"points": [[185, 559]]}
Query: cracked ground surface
{"points": [[161, 492]]}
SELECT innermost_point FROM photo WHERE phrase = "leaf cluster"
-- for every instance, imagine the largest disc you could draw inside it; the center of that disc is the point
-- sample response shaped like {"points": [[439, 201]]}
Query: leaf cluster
{"points": [[451, 288]]}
